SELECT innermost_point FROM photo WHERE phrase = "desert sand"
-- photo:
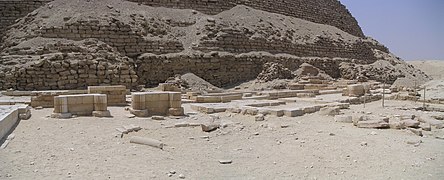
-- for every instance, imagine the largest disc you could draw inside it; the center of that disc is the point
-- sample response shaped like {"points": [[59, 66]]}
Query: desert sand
{"points": [[307, 147]]}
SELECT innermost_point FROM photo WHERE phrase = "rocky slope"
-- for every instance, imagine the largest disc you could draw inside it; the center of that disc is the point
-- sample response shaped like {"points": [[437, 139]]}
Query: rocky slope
{"points": [[145, 45]]}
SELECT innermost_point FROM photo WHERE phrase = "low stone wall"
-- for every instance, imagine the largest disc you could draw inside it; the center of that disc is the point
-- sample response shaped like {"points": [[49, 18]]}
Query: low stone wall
{"points": [[81, 105], [116, 95], [45, 99], [156, 103], [10, 116]]}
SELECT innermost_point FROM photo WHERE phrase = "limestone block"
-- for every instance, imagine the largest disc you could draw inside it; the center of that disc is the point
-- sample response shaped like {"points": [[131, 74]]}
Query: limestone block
{"points": [[100, 107], [169, 87], [294, 112], [308, 110], [275, 112], [373, 124], [176, 111], [344, 119], [411, 123], [356, 90], [208, 99], [174, 96], [175, 104], [329, 111], [60, 104]]}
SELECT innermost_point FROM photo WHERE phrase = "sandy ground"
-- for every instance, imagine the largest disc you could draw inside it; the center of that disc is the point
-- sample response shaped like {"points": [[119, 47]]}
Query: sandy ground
{"points": [[311, 147]]}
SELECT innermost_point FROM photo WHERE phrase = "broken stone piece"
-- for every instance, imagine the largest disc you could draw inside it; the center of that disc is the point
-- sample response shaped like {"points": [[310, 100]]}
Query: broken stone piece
{"points": [[209, 127], [410, 123], [158, 118], [225, 161], [373, 124], [416, 131], [147, 141], [139, 113], [344, 119], [329, 111], [259, 117]]}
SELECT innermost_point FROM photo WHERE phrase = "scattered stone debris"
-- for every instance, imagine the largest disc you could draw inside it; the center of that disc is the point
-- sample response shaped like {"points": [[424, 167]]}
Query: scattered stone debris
{"points": [[209, 127], [272, 71], [127, 129]]}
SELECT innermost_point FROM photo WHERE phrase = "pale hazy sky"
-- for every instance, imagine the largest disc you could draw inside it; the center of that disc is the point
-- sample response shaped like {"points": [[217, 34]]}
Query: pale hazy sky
{"points": [[412, 29]]}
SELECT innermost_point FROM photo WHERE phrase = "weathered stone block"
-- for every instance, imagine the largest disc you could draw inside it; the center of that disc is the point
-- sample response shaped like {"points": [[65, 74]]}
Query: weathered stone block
{"points": [[344, 119], [356, 90], [373, 124], [294, 112]]}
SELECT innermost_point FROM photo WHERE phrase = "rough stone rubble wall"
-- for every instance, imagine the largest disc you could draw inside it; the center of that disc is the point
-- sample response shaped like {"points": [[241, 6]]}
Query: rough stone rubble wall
{"points": [[224, 69], [330, 12], [11, 10]]}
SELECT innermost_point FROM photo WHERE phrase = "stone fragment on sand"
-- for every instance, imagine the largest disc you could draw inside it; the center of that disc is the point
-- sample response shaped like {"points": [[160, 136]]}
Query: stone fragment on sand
{"points": [[425, 126], [225, 161], [414, 142], [122, 130], [147, 141], [159, 118], [181, 176], [416, 131], [396, 124], [181, 124], [329, 111], [410, 123], [209, 127], [373, 124], [344, 119], [356, 119], [130, 116], [259, 117]]}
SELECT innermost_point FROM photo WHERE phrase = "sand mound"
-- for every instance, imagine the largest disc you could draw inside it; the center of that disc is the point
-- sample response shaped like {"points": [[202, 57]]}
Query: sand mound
{"points": [[197, 84]]}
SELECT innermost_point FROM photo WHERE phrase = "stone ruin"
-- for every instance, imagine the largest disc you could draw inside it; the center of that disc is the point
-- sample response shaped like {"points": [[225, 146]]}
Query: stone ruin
{"points": [[199, 64]]}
